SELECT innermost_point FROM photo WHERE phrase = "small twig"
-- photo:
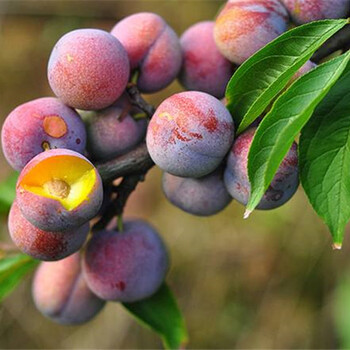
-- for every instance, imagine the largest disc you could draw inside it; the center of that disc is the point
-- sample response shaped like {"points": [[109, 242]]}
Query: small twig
{"points": [[116, 207], [138, 101]]}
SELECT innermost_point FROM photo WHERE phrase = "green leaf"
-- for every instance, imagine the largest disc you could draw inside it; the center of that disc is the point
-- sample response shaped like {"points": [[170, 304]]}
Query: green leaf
{"points": [[7, 193], [282, 124], [259, 79], [161, 314], [341, 305], [325, 158], [12, 270]]}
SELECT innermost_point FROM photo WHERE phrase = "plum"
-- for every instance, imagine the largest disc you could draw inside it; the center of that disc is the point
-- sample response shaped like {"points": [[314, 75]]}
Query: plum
{"points": [[126, 266], [88, 69], [60, 292], [203, 68], [153, 49], [59, 190], [38, 125], [245, 26], [190, 134], [283, 186], [203, 196]]}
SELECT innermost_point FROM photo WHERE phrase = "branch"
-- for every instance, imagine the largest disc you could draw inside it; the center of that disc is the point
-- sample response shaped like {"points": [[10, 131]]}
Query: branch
{"points": [[138, 101], [132, 167], [116, 207], [137, 161], [339, 41]]}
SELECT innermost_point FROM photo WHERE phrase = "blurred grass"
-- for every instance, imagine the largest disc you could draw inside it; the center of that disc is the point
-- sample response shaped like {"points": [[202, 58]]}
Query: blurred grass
{"points": [[267, 282]]}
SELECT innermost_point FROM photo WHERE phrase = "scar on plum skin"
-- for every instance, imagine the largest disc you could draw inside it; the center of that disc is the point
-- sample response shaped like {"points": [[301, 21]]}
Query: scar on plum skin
{"points": [[45, 146], [55, 126]]}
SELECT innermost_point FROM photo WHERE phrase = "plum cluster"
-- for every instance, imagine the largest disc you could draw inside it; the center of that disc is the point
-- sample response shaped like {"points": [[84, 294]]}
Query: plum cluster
{"points": [[54, 142]]}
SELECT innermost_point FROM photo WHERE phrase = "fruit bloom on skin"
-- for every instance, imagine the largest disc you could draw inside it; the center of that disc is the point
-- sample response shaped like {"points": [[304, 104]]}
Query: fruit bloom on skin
{"points": [[38, 125], [245, 26], [304, 11], [59, 190], [283, 186], [153, 48], [61, 294], [113, 132], [202, 196], [203, 68], [190, 134], [88, 69], [41, 244], [126, 266]]}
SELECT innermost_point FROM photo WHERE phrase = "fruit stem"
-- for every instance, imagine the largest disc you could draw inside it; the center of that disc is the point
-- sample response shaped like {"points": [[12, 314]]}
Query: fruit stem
{"points": [[120, 223], [135, 77]]}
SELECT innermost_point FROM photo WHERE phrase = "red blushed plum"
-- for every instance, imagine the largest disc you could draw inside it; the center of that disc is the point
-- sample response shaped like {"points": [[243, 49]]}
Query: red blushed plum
{"points": [[203, 68], [203, 197], [113, 132], [245, 26], [61, 293], [41, 244], [59, 190], [126, 266], [153, 48], [304, 11], [39, 125], [88, 69], [283, 186], [190, 134]]}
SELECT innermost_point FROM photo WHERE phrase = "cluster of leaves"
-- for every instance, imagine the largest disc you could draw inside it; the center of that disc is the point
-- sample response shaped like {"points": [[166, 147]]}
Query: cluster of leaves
{"points": [[316, 105]]}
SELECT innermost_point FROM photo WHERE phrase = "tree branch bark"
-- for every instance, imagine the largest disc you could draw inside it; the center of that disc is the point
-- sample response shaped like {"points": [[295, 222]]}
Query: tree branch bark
{"points": [[136, 161], [132, 167], [116, 206]]}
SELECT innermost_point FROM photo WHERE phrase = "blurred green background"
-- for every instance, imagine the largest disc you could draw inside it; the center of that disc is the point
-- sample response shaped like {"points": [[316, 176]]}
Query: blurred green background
{"points": [[272, 281]]}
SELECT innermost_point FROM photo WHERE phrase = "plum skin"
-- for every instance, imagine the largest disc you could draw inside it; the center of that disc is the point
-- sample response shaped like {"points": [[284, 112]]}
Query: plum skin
{"points": [[153, 48], [245, 26], [203, 68], [182, 136], [43, 245], [283, 186], [113, 132], [60, 292], [304, 11], [48, 214], [39, 124], [309, 65], [88, 69], [126, 266], [202, 196]]}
